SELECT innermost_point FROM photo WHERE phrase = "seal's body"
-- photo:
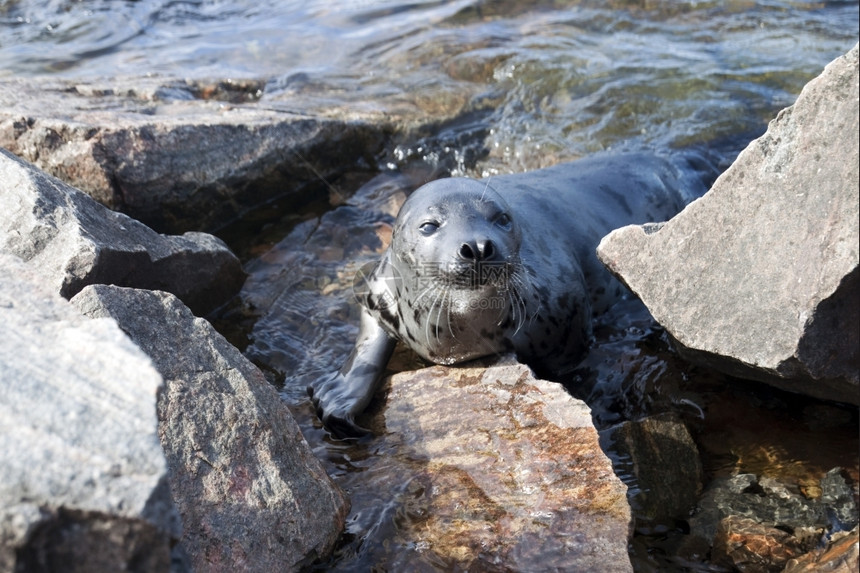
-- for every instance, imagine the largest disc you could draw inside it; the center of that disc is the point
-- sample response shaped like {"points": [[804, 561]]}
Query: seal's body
{"points": [[483, 267]]}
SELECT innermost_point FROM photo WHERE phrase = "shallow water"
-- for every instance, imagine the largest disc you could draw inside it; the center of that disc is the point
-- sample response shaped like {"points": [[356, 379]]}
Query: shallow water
{"points": [[560, 78], [540, 81]]}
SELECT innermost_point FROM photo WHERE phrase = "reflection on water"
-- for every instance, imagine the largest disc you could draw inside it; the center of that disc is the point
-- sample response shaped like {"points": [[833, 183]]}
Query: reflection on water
{"points": [[739, 427], [540, 81], [563, 78]]}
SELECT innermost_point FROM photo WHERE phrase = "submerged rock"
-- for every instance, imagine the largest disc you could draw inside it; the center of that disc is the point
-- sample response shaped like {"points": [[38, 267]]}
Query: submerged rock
{"points": [[251, 494], [759, 524], [505, 473], [83, 479], [759, 278], [662, 461], [752, 547], [74, 242], [841, 555]]}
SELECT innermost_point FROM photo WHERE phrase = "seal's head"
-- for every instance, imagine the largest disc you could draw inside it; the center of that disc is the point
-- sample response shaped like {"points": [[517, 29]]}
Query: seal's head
{"points": [[451, 284], [460, 230]]}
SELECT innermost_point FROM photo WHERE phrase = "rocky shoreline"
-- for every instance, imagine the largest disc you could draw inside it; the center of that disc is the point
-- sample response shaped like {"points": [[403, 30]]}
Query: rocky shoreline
{"points": [[136, 437]]}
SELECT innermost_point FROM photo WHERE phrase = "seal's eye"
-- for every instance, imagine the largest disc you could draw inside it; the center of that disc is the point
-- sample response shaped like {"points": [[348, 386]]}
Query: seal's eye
{"points": [[503, 221], [428, 227]]}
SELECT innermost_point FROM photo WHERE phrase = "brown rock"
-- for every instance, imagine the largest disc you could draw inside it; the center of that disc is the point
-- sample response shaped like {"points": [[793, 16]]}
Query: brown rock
{"points": [[842, 555], [753, 547], [507, 473]]}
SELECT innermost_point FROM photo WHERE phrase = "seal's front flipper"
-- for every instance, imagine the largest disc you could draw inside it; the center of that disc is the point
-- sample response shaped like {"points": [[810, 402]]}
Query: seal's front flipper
{"points": [[340, 397]]}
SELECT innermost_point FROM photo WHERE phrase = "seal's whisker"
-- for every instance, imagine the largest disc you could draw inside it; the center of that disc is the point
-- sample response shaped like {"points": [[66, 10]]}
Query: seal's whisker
{"points": [[442, 306], [450, 330], [486, 187], [420, 297], [430, 306], [517, 283], [524, 280]]}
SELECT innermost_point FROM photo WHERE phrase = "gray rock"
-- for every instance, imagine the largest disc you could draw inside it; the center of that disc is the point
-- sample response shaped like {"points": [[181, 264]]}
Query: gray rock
{"points": [[759, 524], [182, 155], [83, 479], [74, 242], [759, 278], [662, 461], [496, 471], [251, 494], [838, 500]]}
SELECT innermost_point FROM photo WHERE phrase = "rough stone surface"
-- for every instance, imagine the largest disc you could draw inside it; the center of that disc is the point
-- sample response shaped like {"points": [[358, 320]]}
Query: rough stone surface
{"points": [[504, 473], [661, 458], [841, 555], [83, 479], [751, 547], [759, 278], [251, 494], [182, 155], [74, 242], [729, 503]]}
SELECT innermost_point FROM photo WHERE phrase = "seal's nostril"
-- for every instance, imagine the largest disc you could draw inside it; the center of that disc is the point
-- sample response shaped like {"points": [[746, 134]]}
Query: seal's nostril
{"points": [[466, 251], [488, 251]]}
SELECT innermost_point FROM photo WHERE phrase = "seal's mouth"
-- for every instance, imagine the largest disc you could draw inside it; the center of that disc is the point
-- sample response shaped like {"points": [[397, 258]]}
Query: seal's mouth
{"points": [[477, 276]]}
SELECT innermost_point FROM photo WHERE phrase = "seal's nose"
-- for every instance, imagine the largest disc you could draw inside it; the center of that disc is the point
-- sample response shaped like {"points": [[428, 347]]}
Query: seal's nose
{"points": [[476, 251]]}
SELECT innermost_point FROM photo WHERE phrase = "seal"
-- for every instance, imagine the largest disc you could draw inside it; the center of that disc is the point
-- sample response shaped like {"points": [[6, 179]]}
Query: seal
{"points": [[483, 267]]}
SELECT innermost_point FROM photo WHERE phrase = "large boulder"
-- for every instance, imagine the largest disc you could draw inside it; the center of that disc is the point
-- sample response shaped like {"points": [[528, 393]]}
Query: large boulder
{"points": [[495, 470], [759, 278], [251, 493], [74, 242], [83, 479]]}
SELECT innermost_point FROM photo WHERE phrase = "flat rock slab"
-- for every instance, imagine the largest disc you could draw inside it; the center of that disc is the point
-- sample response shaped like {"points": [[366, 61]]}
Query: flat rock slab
{"points": [[251, 493], [504, 473], [83, 479], [181, 155], [759, 278], [74, 241]]}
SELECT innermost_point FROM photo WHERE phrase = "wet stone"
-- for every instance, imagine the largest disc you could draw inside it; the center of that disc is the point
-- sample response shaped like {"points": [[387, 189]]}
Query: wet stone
{"points": [[662, 462], [741, 516], [506, 472], [752, 547], [839, 499], [840, 555], [302, 296], [185, 155]]}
